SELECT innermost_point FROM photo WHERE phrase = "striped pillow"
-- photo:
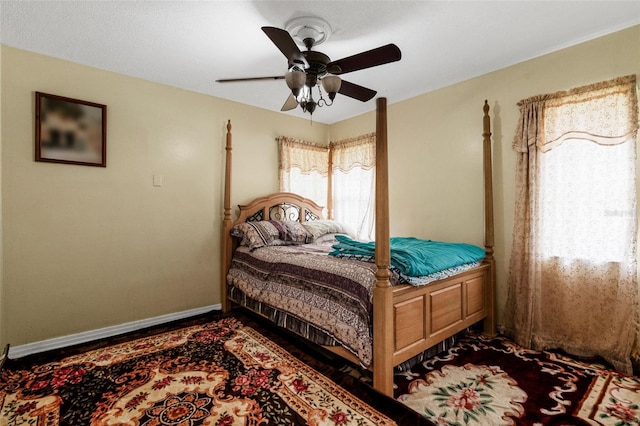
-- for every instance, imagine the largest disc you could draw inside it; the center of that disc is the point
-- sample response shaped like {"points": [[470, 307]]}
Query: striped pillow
{"points": [[271, 233]]}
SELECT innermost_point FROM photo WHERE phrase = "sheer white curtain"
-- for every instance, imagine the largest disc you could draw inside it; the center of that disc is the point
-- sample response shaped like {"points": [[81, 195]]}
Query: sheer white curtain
{"points": [[573, 273], [304, 169], [353, 180]]}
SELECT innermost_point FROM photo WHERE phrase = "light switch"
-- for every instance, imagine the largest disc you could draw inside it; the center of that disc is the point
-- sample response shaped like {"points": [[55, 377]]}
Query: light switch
{"points": [[157, 180]]}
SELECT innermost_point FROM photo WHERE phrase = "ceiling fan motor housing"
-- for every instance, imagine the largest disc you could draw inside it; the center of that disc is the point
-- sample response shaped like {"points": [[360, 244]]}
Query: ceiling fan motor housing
{"points": [[317, 62]]}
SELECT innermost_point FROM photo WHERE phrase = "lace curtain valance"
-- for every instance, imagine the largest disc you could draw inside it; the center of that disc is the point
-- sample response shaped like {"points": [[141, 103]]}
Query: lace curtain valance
{"points": [[307, 156], [359, 151], [576, 114]]}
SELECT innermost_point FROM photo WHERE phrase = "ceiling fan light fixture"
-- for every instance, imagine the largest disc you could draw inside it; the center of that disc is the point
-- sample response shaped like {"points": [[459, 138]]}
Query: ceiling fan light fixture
{"points": [[331, 84], [295, 81]]}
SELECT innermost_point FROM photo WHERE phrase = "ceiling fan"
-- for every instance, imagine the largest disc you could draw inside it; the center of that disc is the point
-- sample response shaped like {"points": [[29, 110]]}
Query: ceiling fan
{"points": [[310, 68]]}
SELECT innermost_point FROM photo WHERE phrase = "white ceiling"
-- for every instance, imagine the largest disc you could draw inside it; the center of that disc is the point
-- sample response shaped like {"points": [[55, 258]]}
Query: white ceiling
{"points": [[191, 44]]}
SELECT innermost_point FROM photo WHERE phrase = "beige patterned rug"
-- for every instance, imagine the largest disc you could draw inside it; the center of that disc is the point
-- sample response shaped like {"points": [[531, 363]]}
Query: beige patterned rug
{"points": [[217, 373]]}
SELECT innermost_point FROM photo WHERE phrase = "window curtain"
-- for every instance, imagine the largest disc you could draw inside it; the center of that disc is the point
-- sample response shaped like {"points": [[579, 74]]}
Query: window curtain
{"points": [[353, 179], [303, 169], [573, 275]]}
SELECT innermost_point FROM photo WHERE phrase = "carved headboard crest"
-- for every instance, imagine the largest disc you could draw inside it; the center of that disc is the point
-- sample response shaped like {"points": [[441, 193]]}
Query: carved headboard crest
{"points": [[284, 206]]}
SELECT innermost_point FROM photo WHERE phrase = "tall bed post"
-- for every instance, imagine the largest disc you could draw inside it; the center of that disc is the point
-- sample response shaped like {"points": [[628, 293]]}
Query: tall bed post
{"points": [[227, 246], [383, 293], [330, 183], [490, 321]]}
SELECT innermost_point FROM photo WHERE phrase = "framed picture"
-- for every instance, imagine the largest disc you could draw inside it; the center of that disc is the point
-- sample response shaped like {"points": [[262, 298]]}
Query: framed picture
{"points": [[70, 131]]}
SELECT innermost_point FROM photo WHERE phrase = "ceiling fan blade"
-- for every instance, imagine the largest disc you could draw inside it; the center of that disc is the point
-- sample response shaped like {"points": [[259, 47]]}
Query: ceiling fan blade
{"points": [[233, 80], [355, 91], [290, 103], [283, 41], [370, 58]]}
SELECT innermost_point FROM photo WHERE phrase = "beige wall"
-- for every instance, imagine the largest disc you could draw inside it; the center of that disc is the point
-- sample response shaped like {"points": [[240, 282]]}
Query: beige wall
{"points": [[435, 142], [86, 247], [89, 247], [2, 322]]}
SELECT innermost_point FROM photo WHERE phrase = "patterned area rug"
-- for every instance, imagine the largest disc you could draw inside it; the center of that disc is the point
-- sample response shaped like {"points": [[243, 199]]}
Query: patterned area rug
{"points": [[217, 373], [483, 381]]}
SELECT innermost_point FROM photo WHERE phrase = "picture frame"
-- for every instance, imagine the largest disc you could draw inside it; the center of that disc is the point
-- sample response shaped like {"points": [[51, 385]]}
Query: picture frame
{"points": [[70, 131]]}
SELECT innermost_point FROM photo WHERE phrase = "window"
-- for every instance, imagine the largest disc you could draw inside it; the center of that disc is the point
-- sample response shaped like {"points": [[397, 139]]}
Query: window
{"points": [[353, 174], [304, 170], [587, 174], [587, 196], [573, 270]]}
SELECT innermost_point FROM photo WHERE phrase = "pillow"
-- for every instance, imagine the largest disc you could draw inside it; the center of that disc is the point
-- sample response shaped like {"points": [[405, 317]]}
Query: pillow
{"points": [[256, 234], [271, 233], [318, 228], [326, 239], [292, 232]]}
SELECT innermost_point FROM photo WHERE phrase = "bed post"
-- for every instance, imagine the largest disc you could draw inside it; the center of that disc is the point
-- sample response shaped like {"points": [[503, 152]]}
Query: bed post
{"points": [[490, 321], [330, 183], [383, 343], [226, 225]]}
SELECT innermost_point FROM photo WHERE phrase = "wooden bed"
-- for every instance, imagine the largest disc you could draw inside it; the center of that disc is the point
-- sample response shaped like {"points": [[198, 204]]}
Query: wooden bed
{"points": [[407, 320]]}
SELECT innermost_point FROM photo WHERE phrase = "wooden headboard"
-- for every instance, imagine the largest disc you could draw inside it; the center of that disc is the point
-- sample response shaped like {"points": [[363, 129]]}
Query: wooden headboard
{"points": [[277, 206], [280, 206]]}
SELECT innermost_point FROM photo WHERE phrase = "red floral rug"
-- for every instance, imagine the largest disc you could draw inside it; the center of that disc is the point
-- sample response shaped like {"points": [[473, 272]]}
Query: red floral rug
{"points": [[482, 381], [217, 373]]}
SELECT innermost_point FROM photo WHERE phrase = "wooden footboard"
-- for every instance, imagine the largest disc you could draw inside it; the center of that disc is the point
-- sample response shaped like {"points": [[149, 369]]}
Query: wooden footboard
{"points": [[424, 316]]}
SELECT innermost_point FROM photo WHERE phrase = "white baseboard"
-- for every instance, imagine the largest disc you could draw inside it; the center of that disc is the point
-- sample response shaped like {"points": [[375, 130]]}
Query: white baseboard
{"points": [[102, 333]]}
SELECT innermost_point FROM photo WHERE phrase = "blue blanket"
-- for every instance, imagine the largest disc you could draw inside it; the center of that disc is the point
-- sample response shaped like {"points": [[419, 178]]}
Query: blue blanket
{"points": [[413, 256]]}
